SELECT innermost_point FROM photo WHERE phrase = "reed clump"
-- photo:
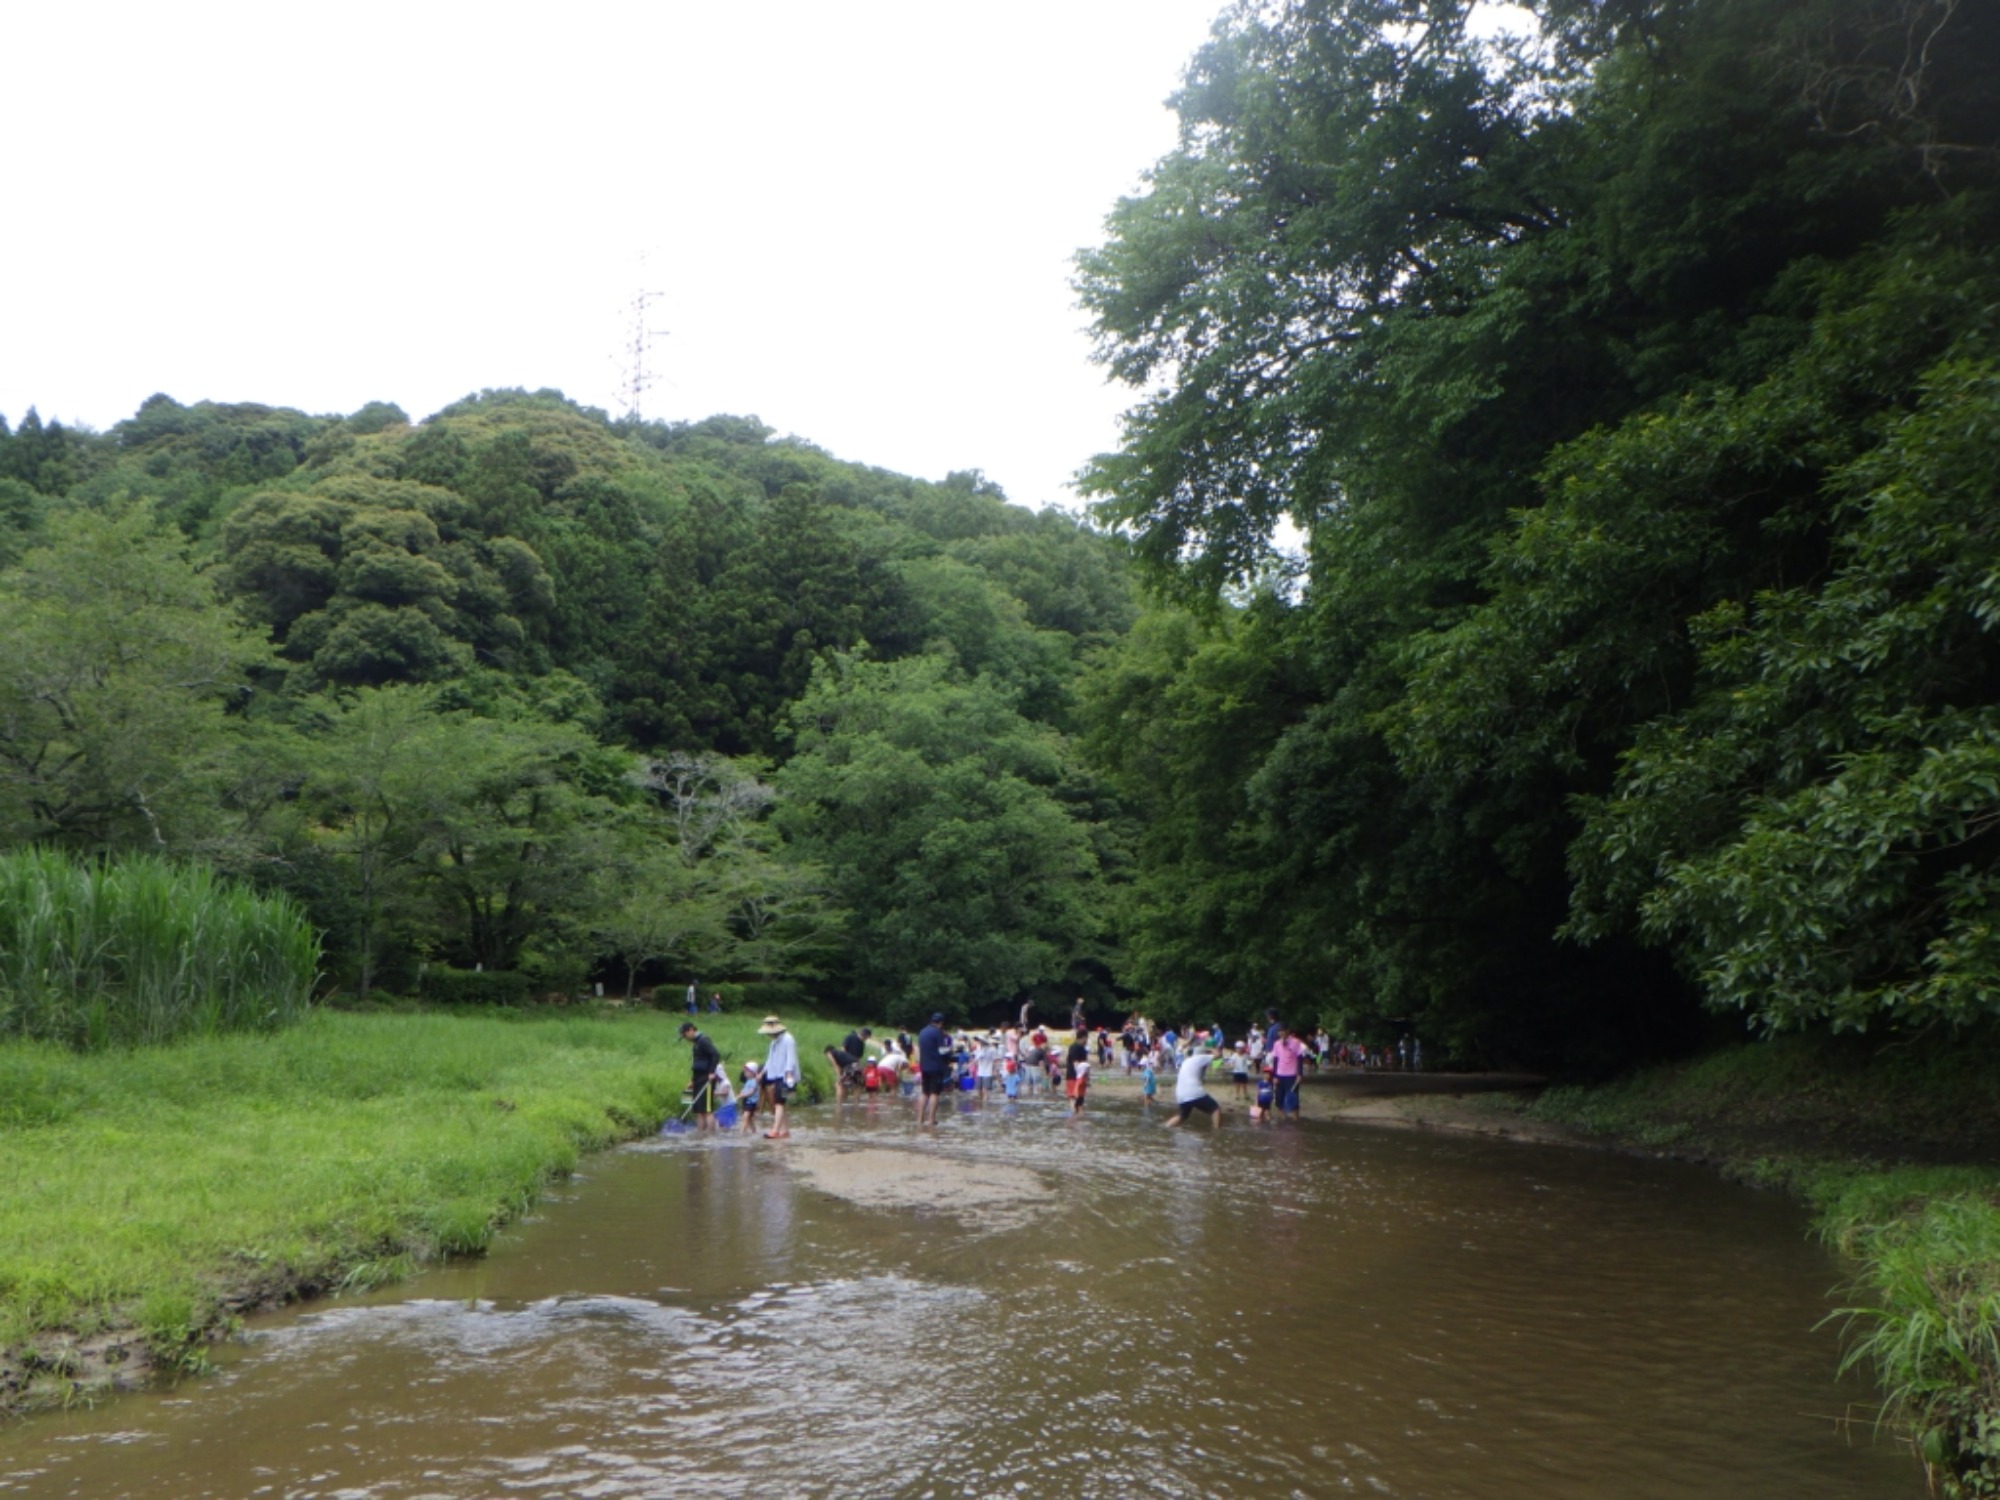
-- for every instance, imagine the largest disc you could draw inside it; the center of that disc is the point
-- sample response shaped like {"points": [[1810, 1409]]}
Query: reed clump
{"points": [[138, 950], [1927, 1322]]}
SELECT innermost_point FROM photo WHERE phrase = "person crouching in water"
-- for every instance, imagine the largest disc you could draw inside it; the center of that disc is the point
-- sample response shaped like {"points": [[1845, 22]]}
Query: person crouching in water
{"points": [[843, 1069], [1190, 1093]]}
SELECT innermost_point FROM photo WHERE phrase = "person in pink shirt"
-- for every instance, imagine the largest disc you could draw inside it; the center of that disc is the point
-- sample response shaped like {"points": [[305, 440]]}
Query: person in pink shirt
{"points": [[1285, 1061]]}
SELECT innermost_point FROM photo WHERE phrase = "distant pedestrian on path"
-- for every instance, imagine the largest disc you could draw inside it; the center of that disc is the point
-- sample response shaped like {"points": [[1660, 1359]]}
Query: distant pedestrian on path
{"points": [[781, 1075]]}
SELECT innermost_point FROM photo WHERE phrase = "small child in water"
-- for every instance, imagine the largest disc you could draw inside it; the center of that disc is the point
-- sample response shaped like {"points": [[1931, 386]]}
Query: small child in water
{"points": [[1149, 1083], [747, 1097]]}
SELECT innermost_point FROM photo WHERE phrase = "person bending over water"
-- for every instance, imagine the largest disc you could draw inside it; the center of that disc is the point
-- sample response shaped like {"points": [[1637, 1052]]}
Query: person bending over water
{"points": [[1190, 1093]]}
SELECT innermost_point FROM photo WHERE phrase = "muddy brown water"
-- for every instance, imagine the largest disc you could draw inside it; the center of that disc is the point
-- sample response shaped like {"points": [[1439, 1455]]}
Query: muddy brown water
{"points": [[1023, 1305]]}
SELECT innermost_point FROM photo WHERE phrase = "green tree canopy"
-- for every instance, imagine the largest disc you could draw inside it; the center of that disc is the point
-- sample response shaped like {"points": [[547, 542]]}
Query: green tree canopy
{"points": [[934, 808]]}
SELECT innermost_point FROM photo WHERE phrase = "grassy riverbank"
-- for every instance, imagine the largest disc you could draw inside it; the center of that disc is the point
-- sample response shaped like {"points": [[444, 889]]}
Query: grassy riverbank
{"points": [[148, 1196], [1897, 1148]]}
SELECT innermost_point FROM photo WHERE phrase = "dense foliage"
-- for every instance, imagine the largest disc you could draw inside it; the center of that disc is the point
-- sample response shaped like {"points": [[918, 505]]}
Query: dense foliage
{"points": [[518, 691], [1633, 384]]}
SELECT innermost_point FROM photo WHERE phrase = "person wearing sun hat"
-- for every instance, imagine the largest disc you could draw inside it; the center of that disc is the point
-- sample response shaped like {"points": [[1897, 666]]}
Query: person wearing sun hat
{"points": [[781, 1074]]}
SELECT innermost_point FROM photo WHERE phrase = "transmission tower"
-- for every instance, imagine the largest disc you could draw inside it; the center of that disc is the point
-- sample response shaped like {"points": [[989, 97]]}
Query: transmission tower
{"points": [[634, 378]]}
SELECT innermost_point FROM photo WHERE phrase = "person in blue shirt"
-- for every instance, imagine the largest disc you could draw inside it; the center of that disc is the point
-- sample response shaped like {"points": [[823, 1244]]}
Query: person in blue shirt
{"points": [[933, 1068]]}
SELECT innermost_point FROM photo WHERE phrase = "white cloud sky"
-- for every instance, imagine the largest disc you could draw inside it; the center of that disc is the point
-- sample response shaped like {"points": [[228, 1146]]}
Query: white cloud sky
{"points": [[860, 215]]}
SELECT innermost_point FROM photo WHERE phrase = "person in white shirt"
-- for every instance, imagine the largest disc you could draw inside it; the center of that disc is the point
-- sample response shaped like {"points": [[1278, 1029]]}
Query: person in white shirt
{"points": [[889, 1067], [781, 1075], [1189, 1091]]}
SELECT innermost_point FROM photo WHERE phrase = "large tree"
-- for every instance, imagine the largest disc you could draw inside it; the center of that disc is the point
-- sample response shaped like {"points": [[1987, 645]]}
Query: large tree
{"points": [[1553, 346], [936, 810], [117, 687]]}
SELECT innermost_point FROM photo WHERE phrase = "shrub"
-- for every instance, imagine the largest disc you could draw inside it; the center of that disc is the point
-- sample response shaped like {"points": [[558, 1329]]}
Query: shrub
{"points": [[443, 985]]}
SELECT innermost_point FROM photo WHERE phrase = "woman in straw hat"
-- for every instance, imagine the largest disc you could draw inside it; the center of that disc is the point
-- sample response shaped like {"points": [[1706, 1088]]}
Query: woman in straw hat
{"points": [[781, 1074]]}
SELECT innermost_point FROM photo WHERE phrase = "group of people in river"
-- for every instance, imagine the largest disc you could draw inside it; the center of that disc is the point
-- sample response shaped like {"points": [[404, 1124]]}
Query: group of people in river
{"points": [[1264, 1066]]}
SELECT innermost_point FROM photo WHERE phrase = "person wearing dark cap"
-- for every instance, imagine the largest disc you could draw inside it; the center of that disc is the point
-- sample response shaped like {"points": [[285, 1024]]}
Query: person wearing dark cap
{"points": [[933, 1067], [702, 1084]]}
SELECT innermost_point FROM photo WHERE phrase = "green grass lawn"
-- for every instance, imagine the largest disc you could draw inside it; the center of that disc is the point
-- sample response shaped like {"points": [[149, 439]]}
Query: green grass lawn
{"points": [[157, 1189]]}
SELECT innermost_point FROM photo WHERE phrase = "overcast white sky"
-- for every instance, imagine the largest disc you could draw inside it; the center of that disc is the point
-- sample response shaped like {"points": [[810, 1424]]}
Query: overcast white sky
{"points": [[859, 213]]}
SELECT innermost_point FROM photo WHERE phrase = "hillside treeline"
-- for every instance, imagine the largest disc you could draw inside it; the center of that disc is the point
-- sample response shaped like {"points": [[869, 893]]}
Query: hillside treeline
{"points": [[525, 694], [1633, 381]]}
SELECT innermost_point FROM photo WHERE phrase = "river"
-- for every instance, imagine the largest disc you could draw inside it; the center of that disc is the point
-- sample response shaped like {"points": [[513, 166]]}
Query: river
{"points": [[1023, 1305]]}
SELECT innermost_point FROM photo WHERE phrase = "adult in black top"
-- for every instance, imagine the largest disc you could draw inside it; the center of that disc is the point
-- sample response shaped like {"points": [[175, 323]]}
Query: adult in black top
{"points": [[846, 1070], [855, 1044], [707, 1062], [1079, 1051], [933, 1068]]}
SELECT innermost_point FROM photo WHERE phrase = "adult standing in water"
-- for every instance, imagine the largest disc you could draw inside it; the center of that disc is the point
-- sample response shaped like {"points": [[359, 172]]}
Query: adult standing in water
{"points": [[781, 1075], [933, 1068], [702, 1083], [1285, 1058]]}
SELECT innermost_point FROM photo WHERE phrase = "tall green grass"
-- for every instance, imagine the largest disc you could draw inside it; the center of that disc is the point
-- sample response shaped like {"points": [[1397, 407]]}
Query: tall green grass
{"points": [[1926, 1321], [138, 950]]}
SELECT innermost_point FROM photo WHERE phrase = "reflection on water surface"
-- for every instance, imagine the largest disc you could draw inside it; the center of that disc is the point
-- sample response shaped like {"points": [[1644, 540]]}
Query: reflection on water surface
{"points": [[1027, 1306]]}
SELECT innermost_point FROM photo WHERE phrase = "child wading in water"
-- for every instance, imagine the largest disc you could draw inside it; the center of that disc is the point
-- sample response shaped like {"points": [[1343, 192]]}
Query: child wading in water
{"points": [[1261, 1110], [1149, 1083], [746, 1098]]}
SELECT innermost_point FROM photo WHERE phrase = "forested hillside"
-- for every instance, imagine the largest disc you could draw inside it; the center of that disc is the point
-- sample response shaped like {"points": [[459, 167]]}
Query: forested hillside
{"points": [[1634, 383], [522, 690]]}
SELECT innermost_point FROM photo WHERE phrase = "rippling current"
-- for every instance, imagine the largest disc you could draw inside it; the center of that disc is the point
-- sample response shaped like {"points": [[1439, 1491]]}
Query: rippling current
{"points": [[1026, 1305]]}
